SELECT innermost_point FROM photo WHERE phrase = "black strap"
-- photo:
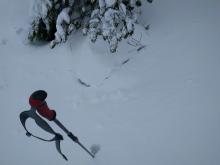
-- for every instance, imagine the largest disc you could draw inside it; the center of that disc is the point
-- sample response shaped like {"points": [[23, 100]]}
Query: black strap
{"points": [[42, 124]]}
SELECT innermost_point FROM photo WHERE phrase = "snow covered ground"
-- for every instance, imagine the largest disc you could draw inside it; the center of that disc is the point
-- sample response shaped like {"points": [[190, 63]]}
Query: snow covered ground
{"points": [[162, 107]]}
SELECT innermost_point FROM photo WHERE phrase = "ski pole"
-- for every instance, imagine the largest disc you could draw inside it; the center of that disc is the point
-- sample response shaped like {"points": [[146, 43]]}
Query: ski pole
{"points": [[37, 100], [74, 138]]}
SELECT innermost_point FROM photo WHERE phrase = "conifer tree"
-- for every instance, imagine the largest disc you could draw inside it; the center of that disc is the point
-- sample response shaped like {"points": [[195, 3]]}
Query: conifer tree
{"points": [[54, 20]]}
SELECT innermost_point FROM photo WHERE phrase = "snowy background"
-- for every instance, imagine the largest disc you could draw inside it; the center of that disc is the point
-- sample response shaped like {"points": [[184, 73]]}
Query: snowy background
{"points": [[160, 108]]}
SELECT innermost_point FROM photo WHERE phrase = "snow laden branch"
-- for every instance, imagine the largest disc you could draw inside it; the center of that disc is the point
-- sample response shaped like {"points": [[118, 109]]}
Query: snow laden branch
{"points": [[112, 19], [62, 27]]}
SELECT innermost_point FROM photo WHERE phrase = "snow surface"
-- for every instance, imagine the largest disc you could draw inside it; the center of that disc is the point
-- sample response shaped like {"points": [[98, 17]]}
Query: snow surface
{"points": [[162, 107]]}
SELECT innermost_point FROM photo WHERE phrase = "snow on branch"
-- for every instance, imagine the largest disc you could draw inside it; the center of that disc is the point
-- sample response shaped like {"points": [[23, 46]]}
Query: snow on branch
{"points": [[113, 20], [63, 20]]}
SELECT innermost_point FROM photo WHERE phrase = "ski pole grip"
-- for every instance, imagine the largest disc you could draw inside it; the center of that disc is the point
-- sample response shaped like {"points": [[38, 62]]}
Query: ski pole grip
{"points": [[37, 100]]}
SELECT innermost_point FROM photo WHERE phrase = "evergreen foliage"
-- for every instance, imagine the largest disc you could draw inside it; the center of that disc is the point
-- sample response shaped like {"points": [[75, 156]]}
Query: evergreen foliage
{"points": [[54, 20]]}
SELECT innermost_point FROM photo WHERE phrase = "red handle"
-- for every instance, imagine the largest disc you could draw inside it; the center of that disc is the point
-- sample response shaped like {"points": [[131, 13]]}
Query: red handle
{"points": [[44, 111], [37, 100]]}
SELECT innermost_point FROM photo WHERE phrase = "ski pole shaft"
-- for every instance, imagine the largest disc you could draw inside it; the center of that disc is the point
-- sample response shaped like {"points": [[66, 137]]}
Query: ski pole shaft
{"points": [[72, 136], [61, 126], [93, 156]]}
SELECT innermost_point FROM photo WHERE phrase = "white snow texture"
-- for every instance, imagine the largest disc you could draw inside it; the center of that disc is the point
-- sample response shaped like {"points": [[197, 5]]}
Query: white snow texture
{"points": [[155, 105]]}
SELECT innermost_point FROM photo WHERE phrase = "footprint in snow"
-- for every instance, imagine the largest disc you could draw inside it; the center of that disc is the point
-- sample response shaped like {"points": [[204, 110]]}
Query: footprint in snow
{"points": [[3, 42], [95, 148]]}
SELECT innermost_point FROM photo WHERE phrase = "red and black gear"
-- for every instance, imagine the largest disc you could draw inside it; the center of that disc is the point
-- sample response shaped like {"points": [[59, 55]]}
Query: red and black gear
{"points": [[37, 100]]}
